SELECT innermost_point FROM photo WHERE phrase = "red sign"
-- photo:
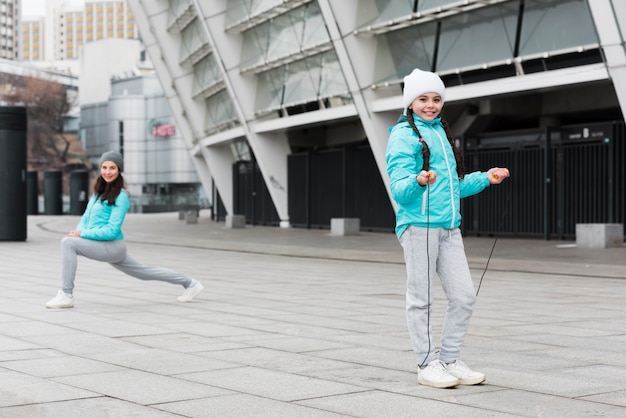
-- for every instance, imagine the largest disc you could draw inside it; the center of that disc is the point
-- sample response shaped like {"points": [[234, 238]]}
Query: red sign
{"points": [[163, 130]]}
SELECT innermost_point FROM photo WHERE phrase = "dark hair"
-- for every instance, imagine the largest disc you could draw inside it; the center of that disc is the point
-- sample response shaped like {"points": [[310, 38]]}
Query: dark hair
{"points": [[458, 156], [109, 191]]}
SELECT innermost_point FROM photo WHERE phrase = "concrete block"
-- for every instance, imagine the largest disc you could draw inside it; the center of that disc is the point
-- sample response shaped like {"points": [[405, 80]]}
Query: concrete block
{"points": [[345, 226], [599, 235], [235, 221], [181, 214], [191, 217]]}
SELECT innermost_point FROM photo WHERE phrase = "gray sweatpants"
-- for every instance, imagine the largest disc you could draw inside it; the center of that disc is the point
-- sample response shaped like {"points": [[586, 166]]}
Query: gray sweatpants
{"points": [[446, 256], [114, 253]]}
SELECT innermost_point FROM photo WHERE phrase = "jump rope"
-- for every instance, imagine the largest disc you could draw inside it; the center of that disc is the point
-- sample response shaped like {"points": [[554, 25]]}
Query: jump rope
{"points": [[426, 168]]}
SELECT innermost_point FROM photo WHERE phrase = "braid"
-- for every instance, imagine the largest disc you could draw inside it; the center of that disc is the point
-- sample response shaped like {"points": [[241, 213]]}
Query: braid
{"points": [[458, 156], [425, 149]]}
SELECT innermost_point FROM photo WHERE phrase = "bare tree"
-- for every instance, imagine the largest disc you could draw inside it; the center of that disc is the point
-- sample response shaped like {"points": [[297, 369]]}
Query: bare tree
{"points": [[46, 105]]}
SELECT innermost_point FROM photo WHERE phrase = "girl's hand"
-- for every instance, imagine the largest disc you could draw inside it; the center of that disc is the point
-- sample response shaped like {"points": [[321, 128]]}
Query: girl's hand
{"points": [[426, 177], [497, 175], [73, 233]]}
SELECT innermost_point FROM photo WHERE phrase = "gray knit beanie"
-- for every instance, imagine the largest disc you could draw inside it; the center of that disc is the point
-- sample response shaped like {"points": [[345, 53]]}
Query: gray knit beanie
{"points": [[114, 156], [420, 82]]}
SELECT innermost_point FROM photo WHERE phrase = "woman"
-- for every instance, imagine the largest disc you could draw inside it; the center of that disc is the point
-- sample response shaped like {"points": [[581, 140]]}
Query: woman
{"points": [[99, 236]]}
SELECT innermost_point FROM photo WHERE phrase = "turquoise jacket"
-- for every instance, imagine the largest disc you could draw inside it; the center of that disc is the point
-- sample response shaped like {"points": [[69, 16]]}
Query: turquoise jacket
{"points": [[102, 222], [437, 205]]}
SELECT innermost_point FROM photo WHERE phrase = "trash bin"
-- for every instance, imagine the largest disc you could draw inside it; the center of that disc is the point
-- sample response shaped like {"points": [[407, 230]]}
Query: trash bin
{"points": [[32, 193], [53, 192], [79, 188], [13, 173]]}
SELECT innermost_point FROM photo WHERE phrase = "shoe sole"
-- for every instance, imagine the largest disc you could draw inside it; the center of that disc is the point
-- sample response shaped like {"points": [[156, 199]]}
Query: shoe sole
{"points": [[179, 299], [60, 307], [471, 382], [438, 385]]}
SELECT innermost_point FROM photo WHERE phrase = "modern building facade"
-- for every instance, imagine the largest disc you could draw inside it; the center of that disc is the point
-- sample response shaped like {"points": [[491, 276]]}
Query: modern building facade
{"points": [[285, 105], [9, 29], [60, 33], [33, 40], [123, 108]]}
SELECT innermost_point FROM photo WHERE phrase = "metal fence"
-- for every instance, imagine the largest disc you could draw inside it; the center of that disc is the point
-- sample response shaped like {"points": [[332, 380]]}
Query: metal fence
{"points": [[559, 177]]}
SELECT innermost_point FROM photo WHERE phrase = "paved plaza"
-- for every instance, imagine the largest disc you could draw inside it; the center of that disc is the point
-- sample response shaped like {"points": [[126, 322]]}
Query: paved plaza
{"points": [[301, 323]]}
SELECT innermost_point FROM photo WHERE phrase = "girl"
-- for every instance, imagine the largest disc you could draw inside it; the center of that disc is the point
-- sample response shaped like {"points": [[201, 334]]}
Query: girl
{"points": [[427, 181], [98, 236]]}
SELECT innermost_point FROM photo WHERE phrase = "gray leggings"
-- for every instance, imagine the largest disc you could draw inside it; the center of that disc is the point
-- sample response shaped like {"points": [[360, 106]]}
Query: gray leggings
{"points": [[114, 253], [447, 258]]}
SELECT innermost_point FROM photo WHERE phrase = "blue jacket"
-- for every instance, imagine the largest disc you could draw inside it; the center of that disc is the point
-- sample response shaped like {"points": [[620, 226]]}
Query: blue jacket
{"points": [[102, 222], [437, 205]]}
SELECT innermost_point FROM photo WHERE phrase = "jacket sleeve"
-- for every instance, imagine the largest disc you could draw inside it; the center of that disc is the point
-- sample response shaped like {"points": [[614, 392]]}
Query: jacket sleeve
{"points": [[82, 224], [112, 229], [403, 159], [473, 183]]}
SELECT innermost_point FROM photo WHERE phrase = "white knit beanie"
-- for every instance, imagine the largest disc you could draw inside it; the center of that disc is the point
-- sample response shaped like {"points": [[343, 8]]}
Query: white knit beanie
{"points": [[420, 82]]}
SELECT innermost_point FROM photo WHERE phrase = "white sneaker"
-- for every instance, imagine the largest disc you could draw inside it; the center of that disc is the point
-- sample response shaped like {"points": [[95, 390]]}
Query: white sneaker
{"points": [[61, 300], [191, 292], [436, 375], [465, 375]]}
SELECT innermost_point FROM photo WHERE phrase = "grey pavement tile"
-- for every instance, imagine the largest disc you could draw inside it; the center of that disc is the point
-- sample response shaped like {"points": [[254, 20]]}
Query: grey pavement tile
{"points": [[337, 324], [184, 343], [533, 404], [101, 407], [265, 358], [617, 398], [163, 362], [82, 344], [21, 389], [29, 328], [376, 404], [244, 406], [27, 354], [117, 328], [271, 384], [598, 343], [375, 340], [141, 387], [368, 356], [563, 383], [289, 343], [58, 366], [209, 329], [15, 344]]}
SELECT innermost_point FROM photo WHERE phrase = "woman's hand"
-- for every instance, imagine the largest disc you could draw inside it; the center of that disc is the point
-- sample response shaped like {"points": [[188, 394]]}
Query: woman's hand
{"points": [[74, 233], [497, 175], [426, 177]]}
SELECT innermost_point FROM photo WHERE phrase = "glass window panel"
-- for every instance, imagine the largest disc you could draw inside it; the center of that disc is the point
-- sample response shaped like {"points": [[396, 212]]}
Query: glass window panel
{"points": [[242, 10], [315, 32], [206, 73], [192, 39], [482, 36], [255, 44], [302, 81], [332, 82], [285, 35], [376, 11], [269, 93], [551, 25], [399, 52], [426, 5], [219, 111]]}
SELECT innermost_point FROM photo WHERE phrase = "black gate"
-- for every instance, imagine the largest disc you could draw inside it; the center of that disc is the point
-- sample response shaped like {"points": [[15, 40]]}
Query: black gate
{"points": [[337, 183], [559, 177], [251, 196]]}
